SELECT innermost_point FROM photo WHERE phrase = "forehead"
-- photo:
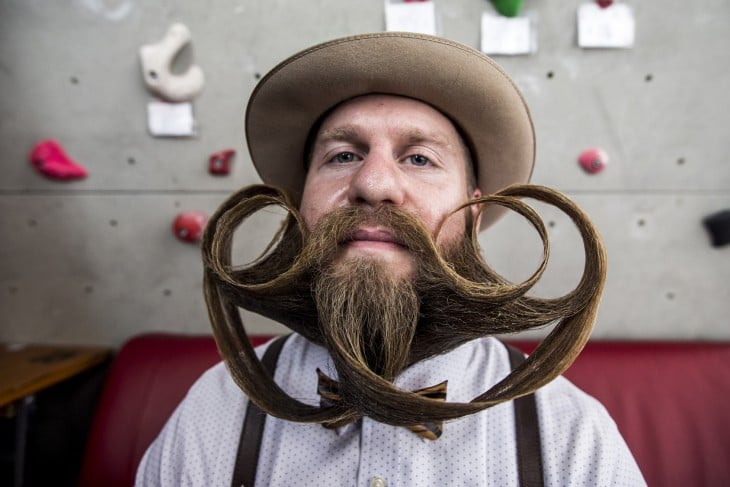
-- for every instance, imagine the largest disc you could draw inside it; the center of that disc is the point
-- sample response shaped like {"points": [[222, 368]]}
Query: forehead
{"points": [[397, 111]]}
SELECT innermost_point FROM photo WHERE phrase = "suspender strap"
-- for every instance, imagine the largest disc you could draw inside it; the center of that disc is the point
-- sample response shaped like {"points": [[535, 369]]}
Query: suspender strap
{"points": [[244, 471], [527, 429]]}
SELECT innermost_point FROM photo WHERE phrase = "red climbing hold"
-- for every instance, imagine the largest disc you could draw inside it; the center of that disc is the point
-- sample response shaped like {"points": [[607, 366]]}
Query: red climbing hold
{"points": [[220, 162], [49, 159], [593, 160], [188, 225], [604, 3]]}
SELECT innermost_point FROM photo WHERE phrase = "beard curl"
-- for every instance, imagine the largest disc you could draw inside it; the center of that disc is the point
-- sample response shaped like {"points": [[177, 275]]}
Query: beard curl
{"points": [[461, 298]]}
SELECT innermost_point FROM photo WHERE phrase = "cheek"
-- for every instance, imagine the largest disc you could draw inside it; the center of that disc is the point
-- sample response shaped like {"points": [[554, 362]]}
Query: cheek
{"points": [[317, 200], [452, 225], [310, 213], [453, 230], [435, 212]]}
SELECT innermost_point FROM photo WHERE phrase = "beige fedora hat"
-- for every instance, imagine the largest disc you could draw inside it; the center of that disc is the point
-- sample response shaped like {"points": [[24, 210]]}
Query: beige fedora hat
{"points": [[462, 83]]}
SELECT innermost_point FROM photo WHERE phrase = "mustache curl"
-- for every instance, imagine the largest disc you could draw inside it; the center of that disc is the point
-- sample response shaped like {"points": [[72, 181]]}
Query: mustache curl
{"points": [[265, 286]]}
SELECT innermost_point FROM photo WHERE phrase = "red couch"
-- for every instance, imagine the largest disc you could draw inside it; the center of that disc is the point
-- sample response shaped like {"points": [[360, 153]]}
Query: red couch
{"points": [[670, 401]]}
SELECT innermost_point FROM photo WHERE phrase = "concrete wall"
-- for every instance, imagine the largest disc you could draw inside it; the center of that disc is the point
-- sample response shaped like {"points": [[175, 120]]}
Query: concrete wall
{"points": [[94, 261]]}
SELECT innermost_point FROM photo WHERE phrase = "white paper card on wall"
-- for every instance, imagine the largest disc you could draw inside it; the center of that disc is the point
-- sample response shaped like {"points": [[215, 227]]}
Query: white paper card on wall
{"points": [[611, 27], [417, 17], [170, 119], [506, 35]]}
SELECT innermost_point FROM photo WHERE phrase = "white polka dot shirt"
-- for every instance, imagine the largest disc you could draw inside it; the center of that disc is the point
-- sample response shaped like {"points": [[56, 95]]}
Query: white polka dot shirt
{"points": [[580, 443]]}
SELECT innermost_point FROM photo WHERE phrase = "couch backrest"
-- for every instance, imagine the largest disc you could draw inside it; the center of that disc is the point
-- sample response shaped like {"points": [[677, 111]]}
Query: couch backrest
{"points": [[670, 401], [149, 377]]}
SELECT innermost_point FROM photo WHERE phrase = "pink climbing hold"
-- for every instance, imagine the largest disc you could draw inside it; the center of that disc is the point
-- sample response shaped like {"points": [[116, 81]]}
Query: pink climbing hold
{"points": [[188, 226], [49, 159]]}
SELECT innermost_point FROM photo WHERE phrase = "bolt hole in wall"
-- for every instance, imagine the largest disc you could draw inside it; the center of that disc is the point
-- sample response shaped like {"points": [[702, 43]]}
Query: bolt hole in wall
{"points": [[113, 223], [131, 161], [648, 77], [550, 75], [680, 161], [74, 80]]}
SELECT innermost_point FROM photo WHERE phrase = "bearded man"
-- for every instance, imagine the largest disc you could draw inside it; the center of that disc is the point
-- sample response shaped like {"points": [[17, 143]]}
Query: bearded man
{"points": [[391, 152]]}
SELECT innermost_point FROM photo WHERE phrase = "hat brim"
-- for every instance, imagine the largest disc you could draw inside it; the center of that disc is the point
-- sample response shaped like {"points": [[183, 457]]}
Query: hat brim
{"points": [[465, 85]]}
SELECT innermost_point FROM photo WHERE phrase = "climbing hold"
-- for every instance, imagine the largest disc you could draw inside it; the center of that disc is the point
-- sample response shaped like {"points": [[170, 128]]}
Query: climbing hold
{"points": [[508, 8], [220, 162], [49, 159], [188, 225], [156, 67], [718, 224], [604, 3], [593, 160]]}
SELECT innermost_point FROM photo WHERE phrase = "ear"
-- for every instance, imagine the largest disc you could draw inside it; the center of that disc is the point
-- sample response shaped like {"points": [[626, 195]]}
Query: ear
{"points": [[477, 193]]}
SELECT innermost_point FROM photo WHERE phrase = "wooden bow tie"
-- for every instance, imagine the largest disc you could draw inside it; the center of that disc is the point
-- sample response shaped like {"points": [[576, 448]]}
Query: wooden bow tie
{"points": [[329, 395]]}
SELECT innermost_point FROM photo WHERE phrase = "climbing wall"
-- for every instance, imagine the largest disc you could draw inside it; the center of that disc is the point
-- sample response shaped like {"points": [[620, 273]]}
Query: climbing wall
{"points": [[95, 260]]}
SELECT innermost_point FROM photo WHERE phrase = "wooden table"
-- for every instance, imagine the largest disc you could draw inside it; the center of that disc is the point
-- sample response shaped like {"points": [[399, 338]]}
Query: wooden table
{"points": [[26, 369]]}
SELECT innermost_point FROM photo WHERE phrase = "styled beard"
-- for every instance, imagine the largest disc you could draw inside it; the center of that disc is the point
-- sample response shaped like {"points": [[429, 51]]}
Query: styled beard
{"points": [[373, 324], [367, 313]]}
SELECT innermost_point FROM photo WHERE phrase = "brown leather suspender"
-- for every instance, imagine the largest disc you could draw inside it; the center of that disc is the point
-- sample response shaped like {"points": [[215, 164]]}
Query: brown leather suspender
{"points": [[529, 455], [527, 431], [247, 458]]}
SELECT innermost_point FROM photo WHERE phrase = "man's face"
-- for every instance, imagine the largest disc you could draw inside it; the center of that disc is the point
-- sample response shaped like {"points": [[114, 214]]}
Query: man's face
{"points": [[388, 150]]}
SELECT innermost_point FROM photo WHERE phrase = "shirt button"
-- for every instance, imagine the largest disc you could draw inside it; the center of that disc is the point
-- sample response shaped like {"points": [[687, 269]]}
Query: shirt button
{"points": [[377, 482]]}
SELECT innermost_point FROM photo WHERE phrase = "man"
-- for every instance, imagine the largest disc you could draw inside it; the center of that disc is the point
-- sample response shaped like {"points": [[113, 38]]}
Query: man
{"points": [[387, 147]]}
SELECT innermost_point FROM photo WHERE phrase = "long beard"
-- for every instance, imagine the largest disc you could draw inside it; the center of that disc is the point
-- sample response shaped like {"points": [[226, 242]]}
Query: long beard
{"points": [[374, 325], [368, 314]]}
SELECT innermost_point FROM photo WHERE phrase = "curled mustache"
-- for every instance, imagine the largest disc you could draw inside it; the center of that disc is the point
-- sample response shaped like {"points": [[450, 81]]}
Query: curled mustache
{"points": [[462, 299]]}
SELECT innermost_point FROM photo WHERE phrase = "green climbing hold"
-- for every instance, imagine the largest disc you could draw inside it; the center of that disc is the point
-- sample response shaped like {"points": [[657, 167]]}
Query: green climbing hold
{"points": [[508, 8]]}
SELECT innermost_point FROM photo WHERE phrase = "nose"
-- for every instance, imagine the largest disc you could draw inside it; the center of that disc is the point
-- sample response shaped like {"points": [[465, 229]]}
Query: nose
{"points": [[377, 181]]}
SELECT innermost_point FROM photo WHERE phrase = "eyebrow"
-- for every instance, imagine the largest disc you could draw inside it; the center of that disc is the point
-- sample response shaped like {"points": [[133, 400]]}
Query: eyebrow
{"points": [[343, 133], [350, 133], [418, 136]]}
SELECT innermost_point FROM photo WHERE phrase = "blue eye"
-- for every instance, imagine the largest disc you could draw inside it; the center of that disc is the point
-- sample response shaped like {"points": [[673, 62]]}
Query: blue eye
{"points": [[418, 160], [344, 157]]}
